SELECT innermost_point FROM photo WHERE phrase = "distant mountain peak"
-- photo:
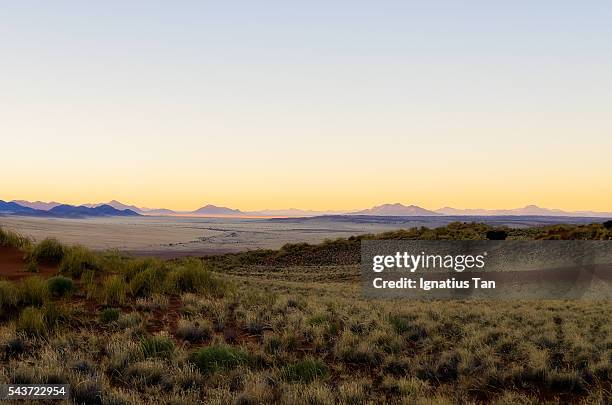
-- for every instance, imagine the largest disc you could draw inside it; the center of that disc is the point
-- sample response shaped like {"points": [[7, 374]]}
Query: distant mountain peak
{"points": [[396, 209], [37, 205], [214, 210]]}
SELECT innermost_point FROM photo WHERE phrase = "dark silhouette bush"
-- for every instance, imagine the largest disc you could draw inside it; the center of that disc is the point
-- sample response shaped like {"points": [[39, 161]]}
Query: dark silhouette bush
{"points": [[497, 235], [608, 224]]}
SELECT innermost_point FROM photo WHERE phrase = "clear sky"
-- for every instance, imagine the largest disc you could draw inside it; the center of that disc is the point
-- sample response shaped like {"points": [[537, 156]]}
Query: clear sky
{"points": [[309, 104]]}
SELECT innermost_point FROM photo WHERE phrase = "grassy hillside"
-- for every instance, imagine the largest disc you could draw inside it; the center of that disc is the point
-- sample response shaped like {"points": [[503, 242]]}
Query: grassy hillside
{"points": [[290, 327], [347, 251]]}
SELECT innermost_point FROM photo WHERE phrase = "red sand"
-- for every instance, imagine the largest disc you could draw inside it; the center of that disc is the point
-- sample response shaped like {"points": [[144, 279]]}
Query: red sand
{"points": [[12, 266]]}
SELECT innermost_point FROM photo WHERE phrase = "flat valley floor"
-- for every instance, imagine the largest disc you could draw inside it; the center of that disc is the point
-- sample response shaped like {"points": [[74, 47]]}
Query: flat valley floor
{"points": [[190, 236]]}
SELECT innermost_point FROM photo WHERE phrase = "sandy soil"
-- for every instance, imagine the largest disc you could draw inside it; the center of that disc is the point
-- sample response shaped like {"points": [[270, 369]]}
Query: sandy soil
{"points": [[12, 266], [179, 236]]}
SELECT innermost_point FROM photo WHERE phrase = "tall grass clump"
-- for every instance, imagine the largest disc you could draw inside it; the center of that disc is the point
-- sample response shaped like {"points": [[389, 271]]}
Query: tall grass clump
{"points": [[13, 240], [114, 290], [48, 251], [9, 296], [109, 315], [33, 291], [189, 275], [32, 321], [194, 331], [218, 357], [148, 281], [305, 371], [157, 346], [77, 260], [88, 278]]}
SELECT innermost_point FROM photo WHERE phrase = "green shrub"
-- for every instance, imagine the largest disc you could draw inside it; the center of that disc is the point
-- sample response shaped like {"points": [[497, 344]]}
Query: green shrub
{"points": [[147, 282], [305, 371], [32, 321], [112, 261], [14, 240], [109, 315], [218, 357], [60, 286], [157, 346], [77, 260], [135, 266], [49, 251], [191, 276], [33, 291], [113, 290]]}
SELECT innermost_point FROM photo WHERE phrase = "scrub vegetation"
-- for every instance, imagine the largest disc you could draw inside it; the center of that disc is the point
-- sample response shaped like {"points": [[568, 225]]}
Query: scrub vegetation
{"points": [[291, 327]]}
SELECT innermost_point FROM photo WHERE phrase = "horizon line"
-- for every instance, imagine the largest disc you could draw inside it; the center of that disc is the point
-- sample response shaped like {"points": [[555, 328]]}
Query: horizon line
{"points": [[330, 211]]}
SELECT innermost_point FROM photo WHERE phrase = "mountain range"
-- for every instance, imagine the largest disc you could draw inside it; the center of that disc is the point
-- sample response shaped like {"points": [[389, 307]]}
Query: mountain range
{"points": [[64, 211], [116, 208]]}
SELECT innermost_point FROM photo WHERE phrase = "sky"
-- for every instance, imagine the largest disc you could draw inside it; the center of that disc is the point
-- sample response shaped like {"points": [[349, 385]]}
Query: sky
{"points": [[315, 105]]}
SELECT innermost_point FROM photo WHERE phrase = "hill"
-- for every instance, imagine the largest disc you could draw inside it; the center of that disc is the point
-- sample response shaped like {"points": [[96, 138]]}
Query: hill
{"points": [[70, 211], [65, 211], [38, 205], [396, 209], [117, 205], [214, 210], [528, 210], [17, 209]]}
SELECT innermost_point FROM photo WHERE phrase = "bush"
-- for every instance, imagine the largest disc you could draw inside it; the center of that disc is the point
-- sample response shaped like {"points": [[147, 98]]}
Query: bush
{"points": [[194, 331], [60, 286], [305, 371], [9, 295], [14, 240], [32, 321], [148, 281], [49, 251], [113, 290], [218, 357], [157, 346], [497, 235], [608, 225], [109, 315], [191, 276], [33, 291], [78, 259]]}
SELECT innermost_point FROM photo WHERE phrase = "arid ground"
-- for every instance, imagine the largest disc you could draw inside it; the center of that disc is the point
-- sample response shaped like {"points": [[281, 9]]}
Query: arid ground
{"points": [[178, 236], [182, 236], [288, 326]]}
